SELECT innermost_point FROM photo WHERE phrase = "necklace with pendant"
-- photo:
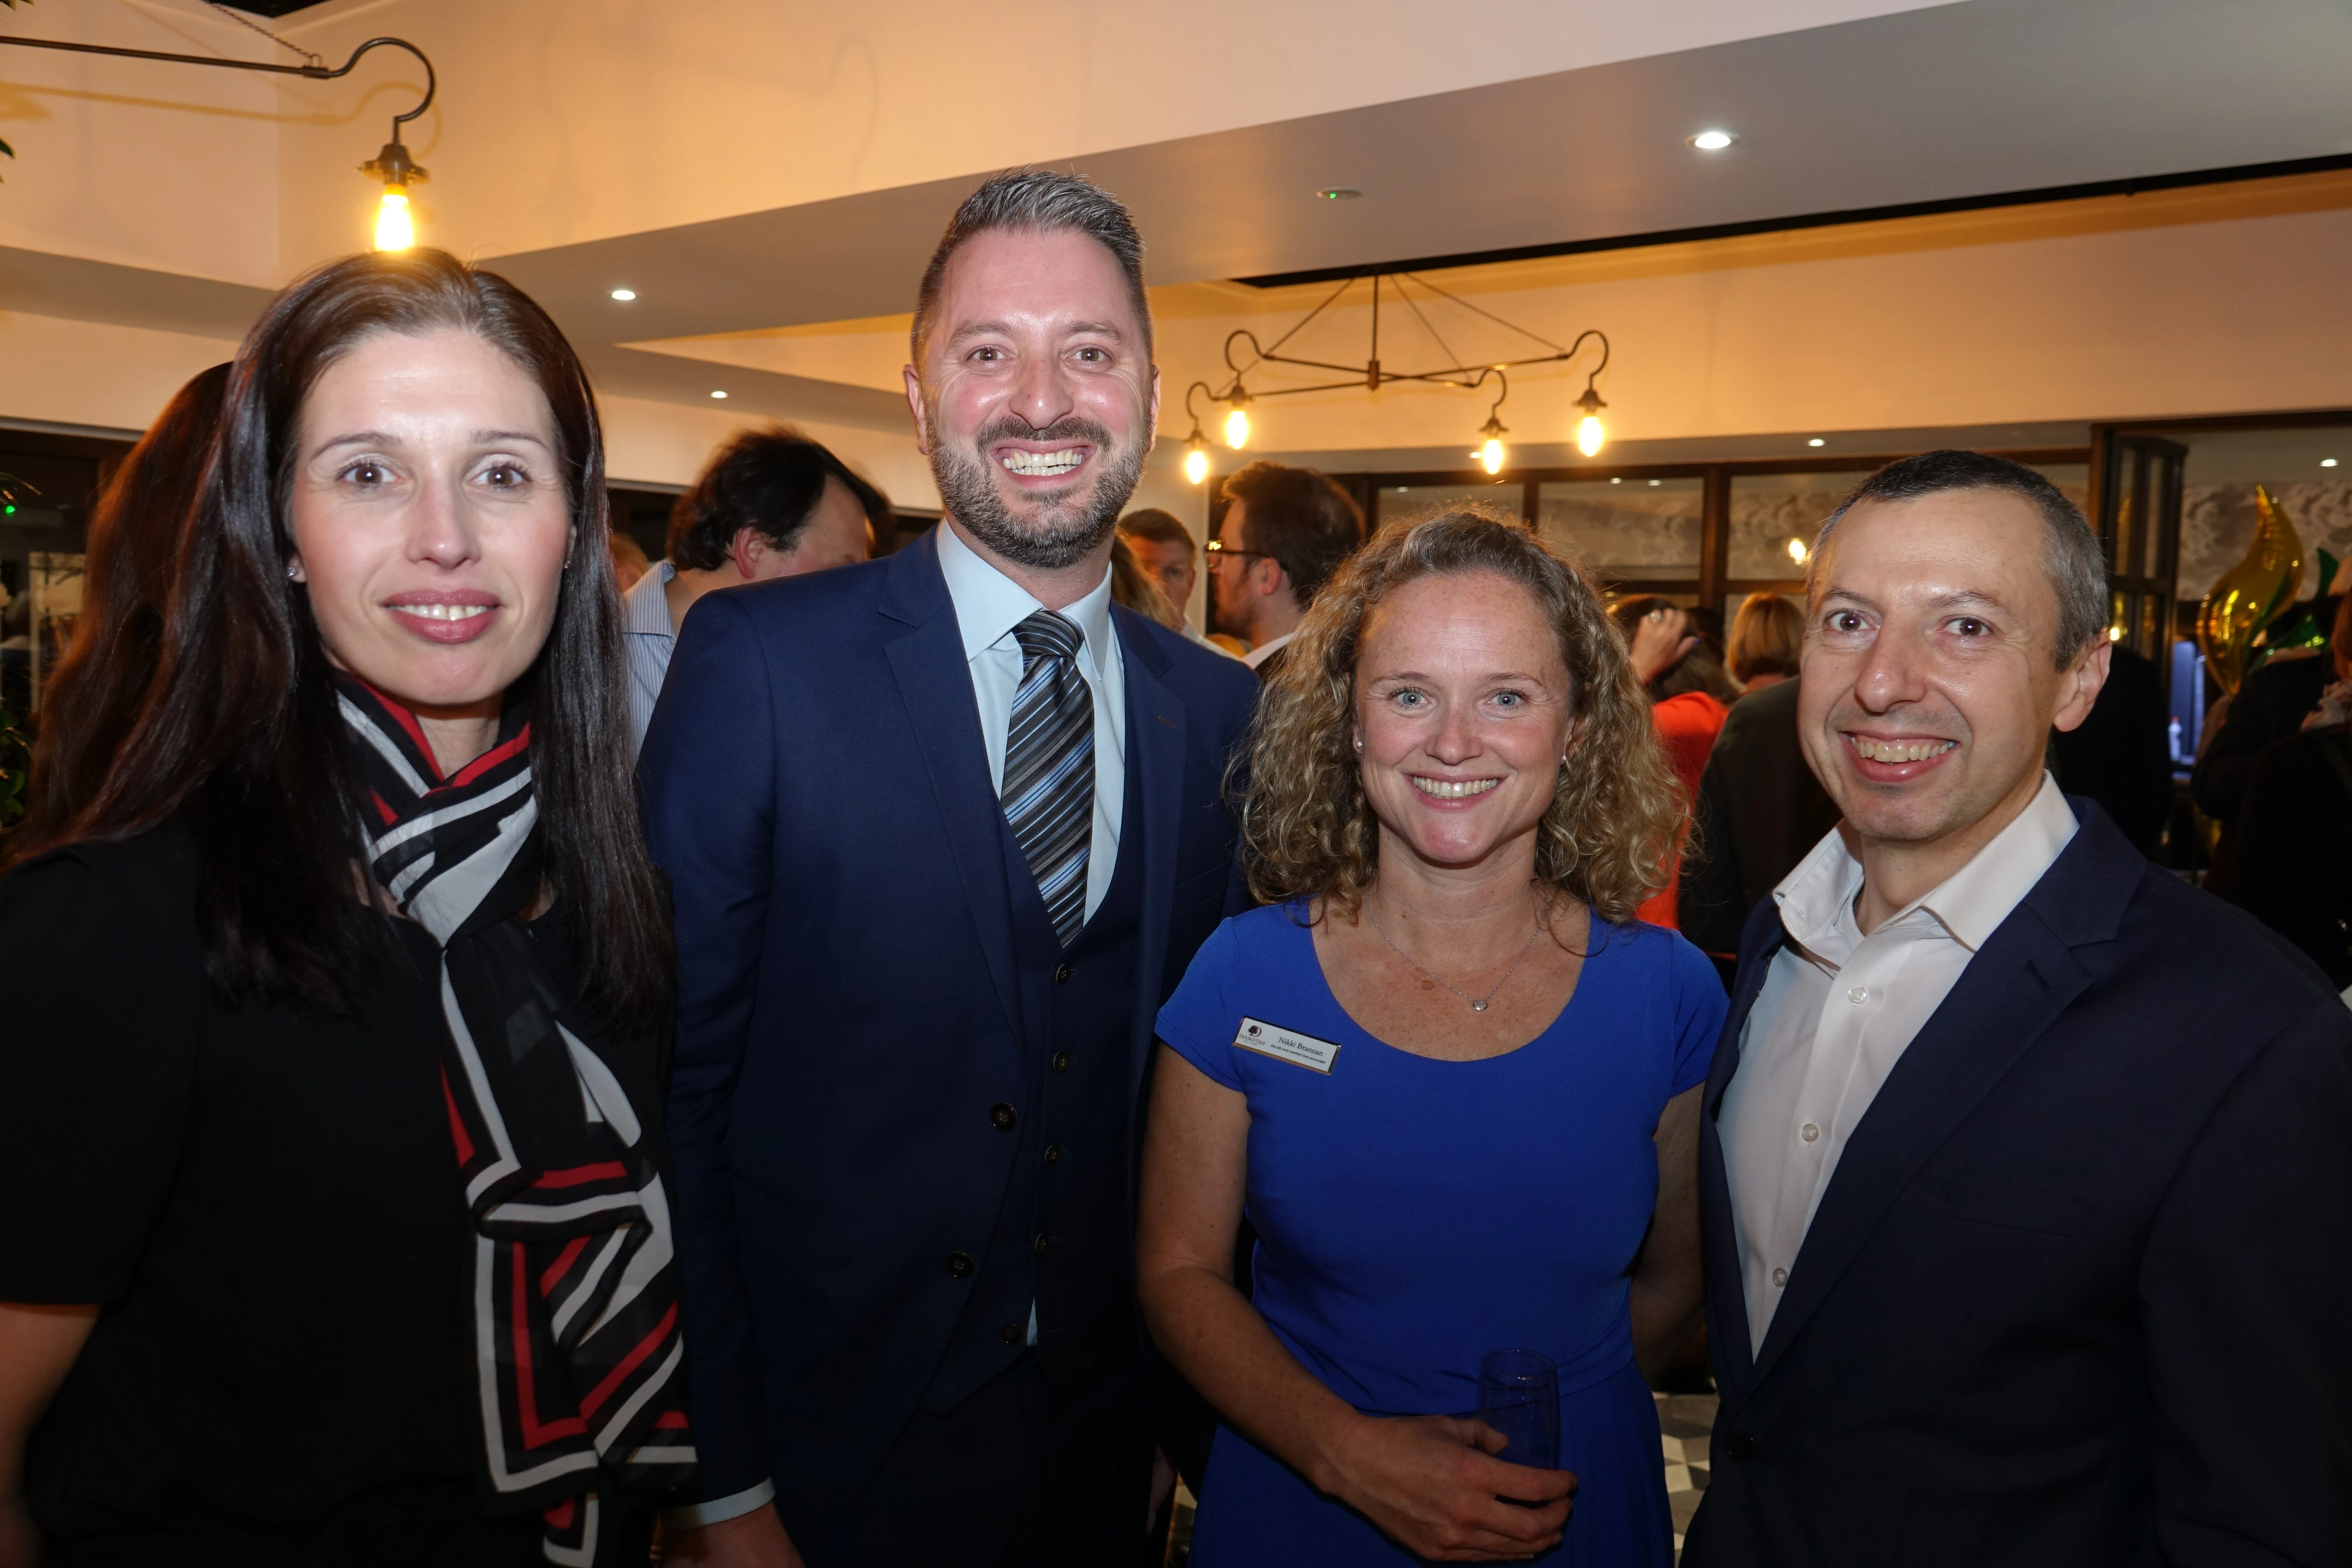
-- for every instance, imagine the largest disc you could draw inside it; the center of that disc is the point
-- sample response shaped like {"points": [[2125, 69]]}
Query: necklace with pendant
{"points": [[1477, 1004]]}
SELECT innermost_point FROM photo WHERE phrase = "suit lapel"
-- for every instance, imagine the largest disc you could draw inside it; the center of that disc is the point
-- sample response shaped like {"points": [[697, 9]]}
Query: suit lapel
{"points": [[1155, 745], [1726, 1291], [2010, 993], [928, 661]]}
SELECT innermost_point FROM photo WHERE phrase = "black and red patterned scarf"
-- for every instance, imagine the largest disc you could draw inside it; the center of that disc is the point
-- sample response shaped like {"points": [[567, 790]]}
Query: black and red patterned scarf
{"points": [[574, 1288]]}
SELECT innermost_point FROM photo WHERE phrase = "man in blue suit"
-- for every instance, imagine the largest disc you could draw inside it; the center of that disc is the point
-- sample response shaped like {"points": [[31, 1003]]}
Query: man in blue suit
{"points": [[2026, 1169], [944, 831]]}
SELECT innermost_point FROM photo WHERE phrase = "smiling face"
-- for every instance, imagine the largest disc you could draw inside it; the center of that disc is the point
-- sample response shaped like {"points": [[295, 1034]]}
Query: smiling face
{"points": [[429, 518], [1036, 397], [1464, 710], [1928, 683]]}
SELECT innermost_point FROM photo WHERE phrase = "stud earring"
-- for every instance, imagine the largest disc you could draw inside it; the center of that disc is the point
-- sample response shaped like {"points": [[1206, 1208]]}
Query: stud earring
{"points": [[1360, 745]]}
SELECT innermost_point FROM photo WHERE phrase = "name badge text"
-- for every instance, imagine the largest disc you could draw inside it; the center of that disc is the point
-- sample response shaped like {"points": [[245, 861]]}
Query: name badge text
{"points": [[1287, 1045]]}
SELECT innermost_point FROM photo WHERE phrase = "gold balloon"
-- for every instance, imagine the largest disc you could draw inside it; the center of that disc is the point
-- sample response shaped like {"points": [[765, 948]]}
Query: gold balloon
{"points": [[2247, 594]]}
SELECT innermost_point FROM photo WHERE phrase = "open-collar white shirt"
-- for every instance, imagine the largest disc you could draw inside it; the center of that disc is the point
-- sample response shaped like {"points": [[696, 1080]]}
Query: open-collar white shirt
{"points": [[1836, 1013], [988, 606]]}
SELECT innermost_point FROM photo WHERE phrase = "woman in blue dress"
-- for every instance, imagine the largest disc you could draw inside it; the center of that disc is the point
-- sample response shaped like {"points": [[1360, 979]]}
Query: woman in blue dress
{"points": [[1451, 1080]]}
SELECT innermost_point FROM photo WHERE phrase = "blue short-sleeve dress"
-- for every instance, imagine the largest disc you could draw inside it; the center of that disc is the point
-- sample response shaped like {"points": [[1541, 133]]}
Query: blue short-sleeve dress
{"points": [[1414, 1214]]}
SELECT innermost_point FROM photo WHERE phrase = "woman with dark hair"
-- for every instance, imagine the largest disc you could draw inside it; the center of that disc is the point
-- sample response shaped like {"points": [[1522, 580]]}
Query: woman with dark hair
{"points": [[134, 537], [337, 1232], [1452, 1079]]}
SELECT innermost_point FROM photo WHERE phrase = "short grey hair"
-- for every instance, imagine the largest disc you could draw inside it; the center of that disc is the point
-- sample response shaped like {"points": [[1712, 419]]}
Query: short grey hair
{"points": [[1037, 201], [2077, 563]]}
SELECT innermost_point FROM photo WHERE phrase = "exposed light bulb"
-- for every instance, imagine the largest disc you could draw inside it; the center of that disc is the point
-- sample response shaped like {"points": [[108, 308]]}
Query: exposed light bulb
{"points": [[1590, 435], [1237, 428], [1797, 550], [1490, 455], [1196, 465], [394, 228]]}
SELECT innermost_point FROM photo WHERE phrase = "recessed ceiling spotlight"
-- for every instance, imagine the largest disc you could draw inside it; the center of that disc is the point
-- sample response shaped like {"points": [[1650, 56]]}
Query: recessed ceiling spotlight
{"points": [[1817, 441], [1655, 483], [1338, 193], [1713, 140], [717, 394], [1617, 481], [624, 295], [2326, 462]]}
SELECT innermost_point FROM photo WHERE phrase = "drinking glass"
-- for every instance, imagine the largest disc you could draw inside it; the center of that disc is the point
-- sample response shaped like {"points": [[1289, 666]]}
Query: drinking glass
{"points": [[1518, 1395]]}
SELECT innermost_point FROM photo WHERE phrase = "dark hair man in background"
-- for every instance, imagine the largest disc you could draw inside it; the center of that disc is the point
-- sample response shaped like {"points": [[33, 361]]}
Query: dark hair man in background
{"points": [[770, 503], [2022, 1162], [944, 830], [1285, 531]]}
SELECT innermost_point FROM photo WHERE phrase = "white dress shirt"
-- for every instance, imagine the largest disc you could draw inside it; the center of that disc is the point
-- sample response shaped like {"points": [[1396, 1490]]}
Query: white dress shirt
{"points": [[1266, 650], [1837, 1011], [649, 640], [988, 606]]}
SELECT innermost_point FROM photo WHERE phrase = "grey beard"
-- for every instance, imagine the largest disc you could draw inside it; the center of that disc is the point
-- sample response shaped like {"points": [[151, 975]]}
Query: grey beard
{"points": [[1061, 531]]}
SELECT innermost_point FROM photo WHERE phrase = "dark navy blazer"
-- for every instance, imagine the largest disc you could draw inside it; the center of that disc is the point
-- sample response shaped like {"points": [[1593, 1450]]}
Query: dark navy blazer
{"points": [[2080, 1289], [817, 788]]}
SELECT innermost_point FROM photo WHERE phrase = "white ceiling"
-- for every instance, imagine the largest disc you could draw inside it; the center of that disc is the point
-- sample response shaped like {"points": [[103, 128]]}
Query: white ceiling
{"points": [[1952, 103]]}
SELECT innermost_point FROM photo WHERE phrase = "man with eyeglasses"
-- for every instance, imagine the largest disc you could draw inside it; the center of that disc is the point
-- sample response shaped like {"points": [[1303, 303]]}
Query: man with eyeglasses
{"points": [[1285, 531]]}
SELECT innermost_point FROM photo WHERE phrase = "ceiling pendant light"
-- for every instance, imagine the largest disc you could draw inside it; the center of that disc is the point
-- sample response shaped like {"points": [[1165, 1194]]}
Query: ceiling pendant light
{"points": [[396, 227], [1590, 431], [1492, 455]]}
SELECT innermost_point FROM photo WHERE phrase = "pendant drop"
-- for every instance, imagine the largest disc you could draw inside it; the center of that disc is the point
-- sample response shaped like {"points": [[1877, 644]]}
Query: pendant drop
{"points": [[1477, 1007]]}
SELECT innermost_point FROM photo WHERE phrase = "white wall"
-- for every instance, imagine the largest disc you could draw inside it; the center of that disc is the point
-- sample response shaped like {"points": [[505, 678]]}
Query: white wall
{"points": [[87, 372], [142, 162]]}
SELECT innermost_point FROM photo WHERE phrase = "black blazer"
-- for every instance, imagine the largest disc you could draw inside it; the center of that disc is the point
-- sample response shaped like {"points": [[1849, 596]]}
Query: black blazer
{"points": [[816, 786], [1759, 811], [2080, 1291]]}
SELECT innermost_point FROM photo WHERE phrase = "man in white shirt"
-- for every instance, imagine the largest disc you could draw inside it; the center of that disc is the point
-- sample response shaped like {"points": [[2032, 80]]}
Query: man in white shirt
{"points": [[1285, 531], [2025, 1168], [770, 503]]}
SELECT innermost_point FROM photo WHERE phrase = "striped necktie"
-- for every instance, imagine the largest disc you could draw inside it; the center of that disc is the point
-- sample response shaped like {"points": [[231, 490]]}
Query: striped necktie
{"points": [[1049, 768]]}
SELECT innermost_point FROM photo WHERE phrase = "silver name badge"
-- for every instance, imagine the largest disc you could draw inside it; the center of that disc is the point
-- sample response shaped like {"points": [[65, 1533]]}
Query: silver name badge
{"points": [[1287, 1046]]}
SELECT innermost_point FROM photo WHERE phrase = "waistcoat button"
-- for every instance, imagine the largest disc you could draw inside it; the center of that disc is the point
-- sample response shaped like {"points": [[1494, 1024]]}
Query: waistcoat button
{"points": [[1053, 1153], [1004, 1116], [1061, 975], [1044, 1241], [1009, 1332], [1061, 1061], [959, 1264]]}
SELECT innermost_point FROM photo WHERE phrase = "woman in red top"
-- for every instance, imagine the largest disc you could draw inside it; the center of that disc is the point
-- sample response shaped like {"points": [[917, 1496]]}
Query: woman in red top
{"points": [[1690, 697]]}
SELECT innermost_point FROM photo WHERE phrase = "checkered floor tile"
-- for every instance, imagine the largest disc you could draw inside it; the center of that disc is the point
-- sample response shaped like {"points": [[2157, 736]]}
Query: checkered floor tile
{"points": [[1686, 1419]]}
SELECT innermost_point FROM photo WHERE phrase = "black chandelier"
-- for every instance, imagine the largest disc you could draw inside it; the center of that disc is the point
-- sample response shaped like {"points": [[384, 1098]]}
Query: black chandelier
{"points": [[1371, 375], [392, 165]]}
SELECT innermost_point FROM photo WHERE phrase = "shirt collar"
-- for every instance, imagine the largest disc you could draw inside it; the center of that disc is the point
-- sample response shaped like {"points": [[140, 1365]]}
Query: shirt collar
{"points": [[1816, 900], [988, 605], [645, 608], [1266, 650]]}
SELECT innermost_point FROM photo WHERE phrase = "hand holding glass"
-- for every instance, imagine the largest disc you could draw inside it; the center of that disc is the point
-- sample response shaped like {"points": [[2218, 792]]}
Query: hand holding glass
{"points": [[1518, 1395]]}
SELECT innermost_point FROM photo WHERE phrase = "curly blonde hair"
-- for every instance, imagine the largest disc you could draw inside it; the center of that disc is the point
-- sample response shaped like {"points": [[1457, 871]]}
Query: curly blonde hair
{"points": [[1307, 830]]}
